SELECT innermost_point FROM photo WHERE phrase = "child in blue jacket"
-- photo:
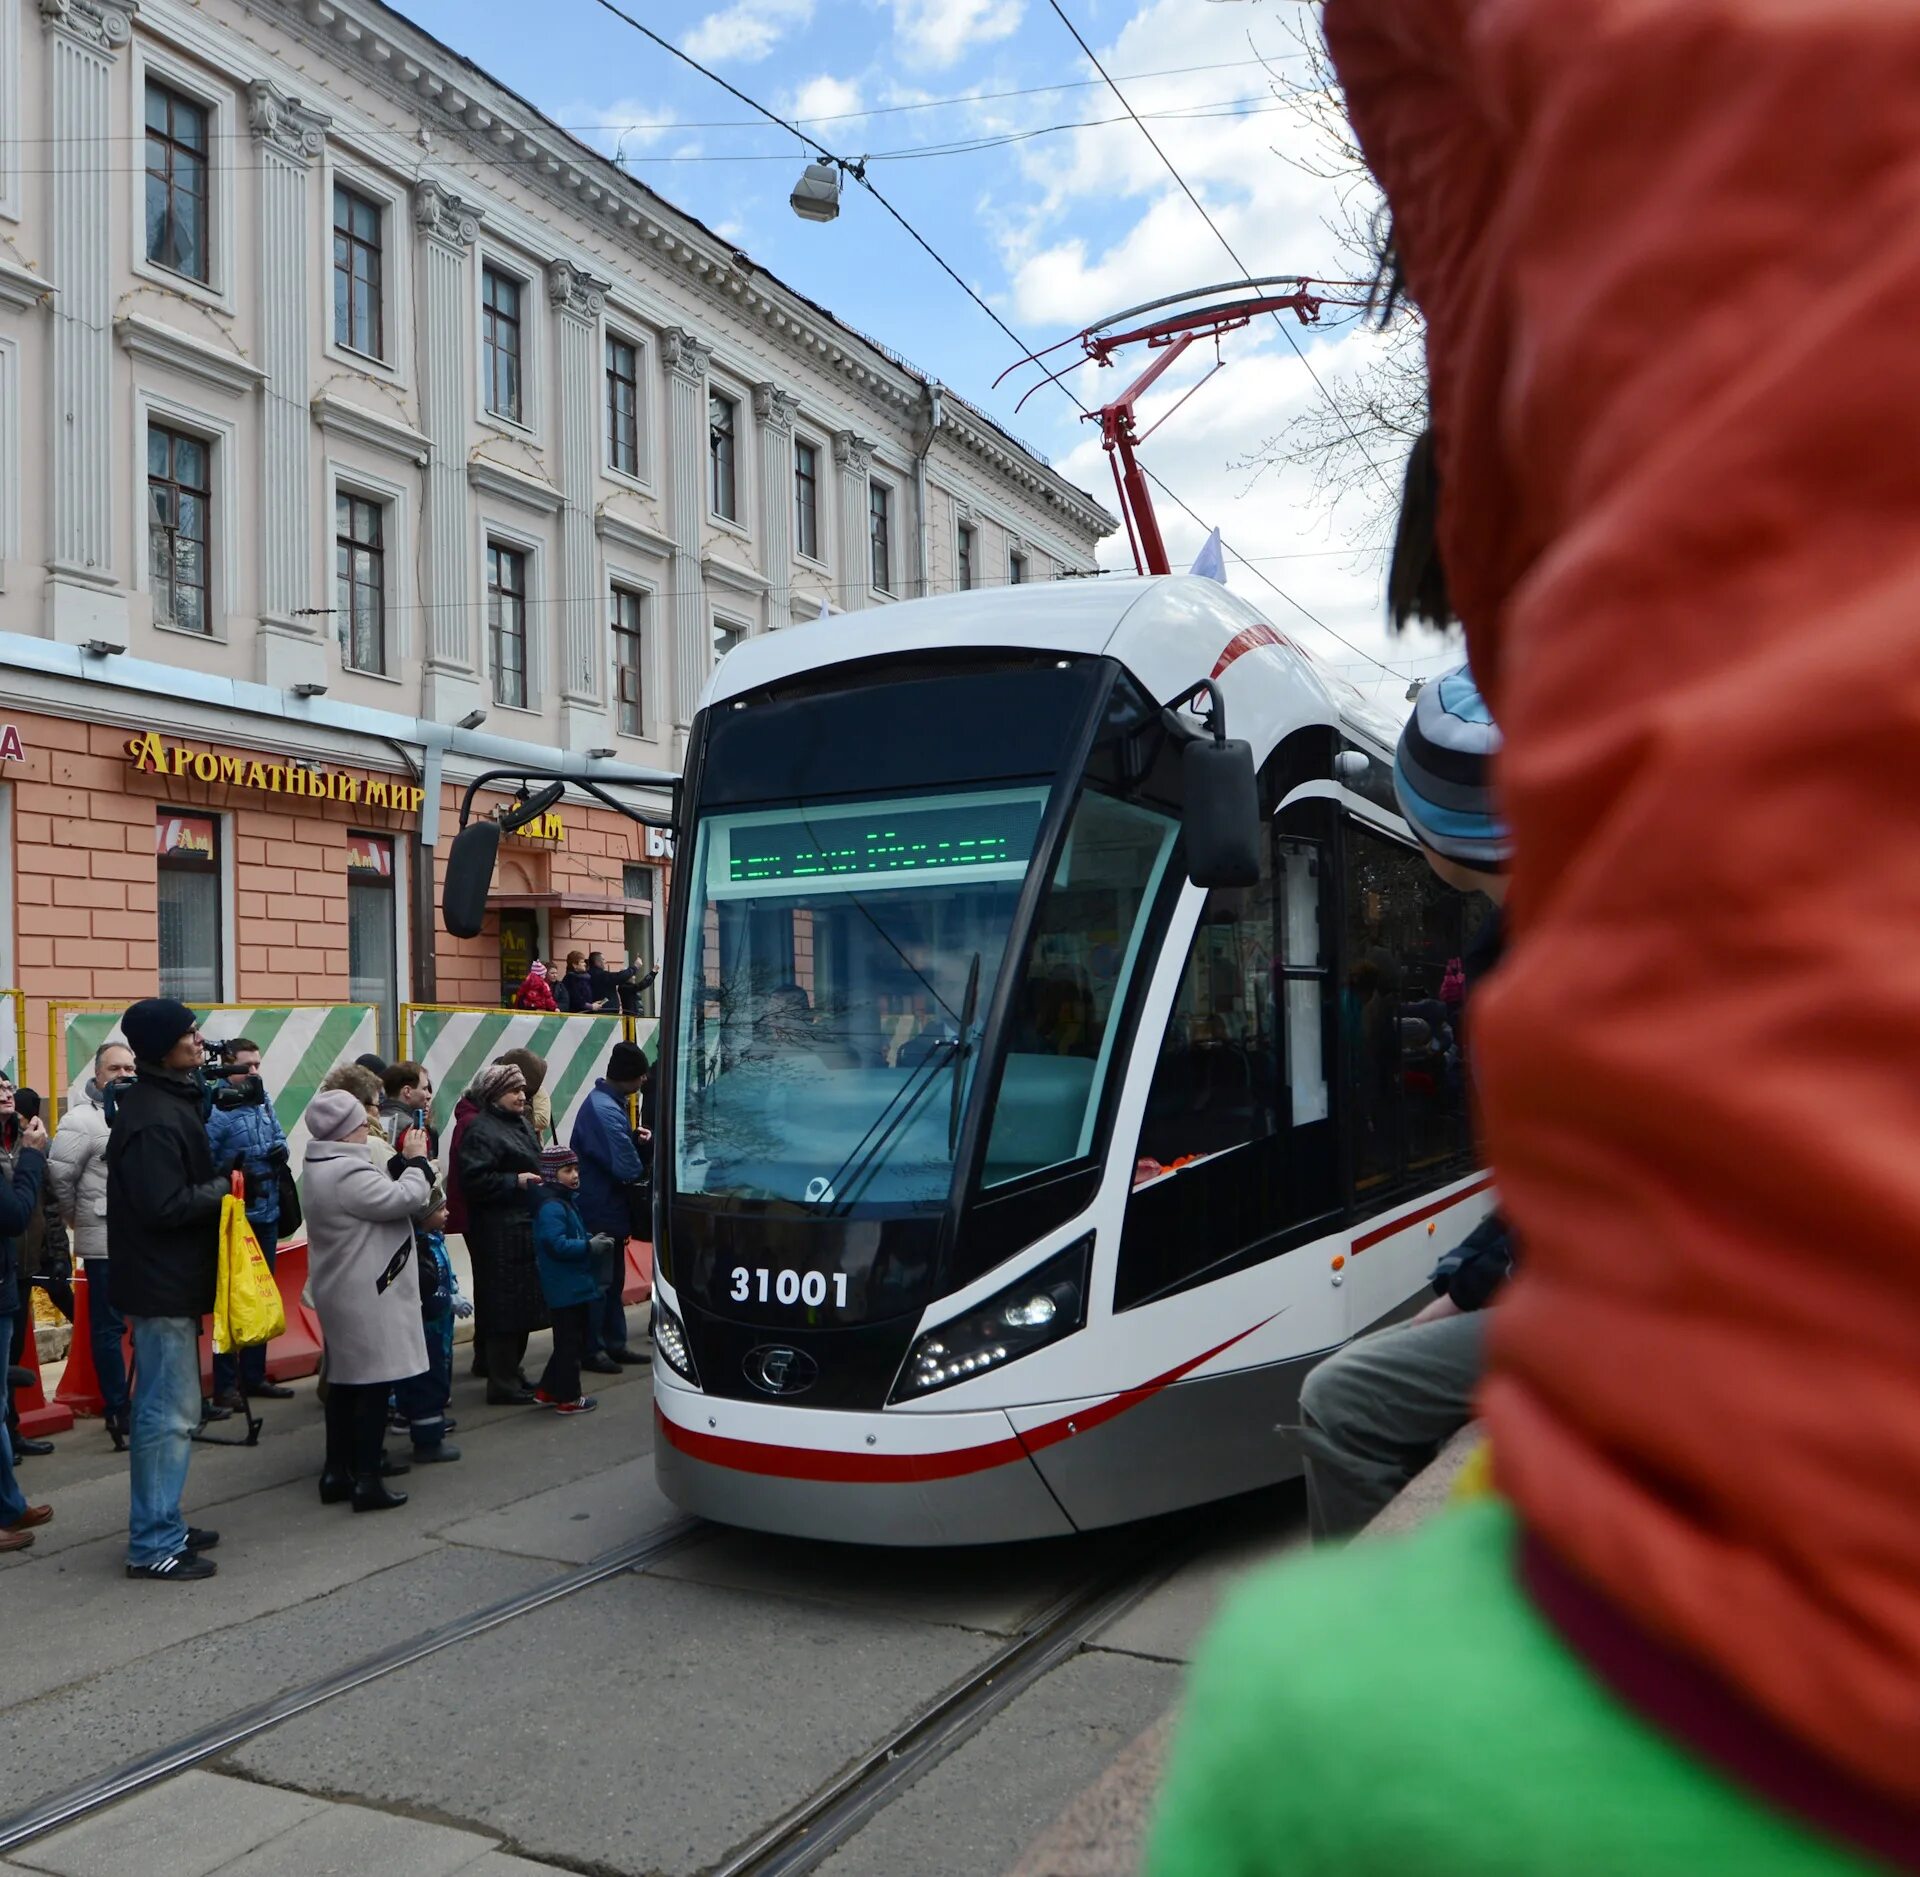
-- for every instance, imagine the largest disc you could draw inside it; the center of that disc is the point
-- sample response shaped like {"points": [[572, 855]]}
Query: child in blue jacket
{"points": [[566, 1254]]}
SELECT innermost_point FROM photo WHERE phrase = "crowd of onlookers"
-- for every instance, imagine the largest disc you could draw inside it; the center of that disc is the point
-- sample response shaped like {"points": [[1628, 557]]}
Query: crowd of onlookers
{"points": [[587, 986], [132, 1186]]}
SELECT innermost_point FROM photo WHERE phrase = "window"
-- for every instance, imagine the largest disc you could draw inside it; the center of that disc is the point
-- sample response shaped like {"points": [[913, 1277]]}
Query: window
{"points": [[360, 581], [373, 953], [879, 504], [356, 273], [721, 413], [187, 850], [1068, 1007], [507, 623], [1400, 1016], [726, 635], [965, 559], [806, 500], [641, 883], [500, 339], [1016, 569], [629, 660], [623, 405], [1235, 1144], [177, 185], [180, 527]]}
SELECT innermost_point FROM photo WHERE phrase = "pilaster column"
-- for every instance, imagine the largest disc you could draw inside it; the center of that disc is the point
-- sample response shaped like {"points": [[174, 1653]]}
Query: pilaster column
{"points": [[686, 359], [83, 37], [448, 229], [287, 136], [774, 412], [854, 456], [578, 300]]}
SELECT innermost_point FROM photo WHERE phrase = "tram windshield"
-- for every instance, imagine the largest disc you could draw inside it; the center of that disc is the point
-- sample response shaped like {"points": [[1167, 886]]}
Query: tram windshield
{"points": [[839, 963]]}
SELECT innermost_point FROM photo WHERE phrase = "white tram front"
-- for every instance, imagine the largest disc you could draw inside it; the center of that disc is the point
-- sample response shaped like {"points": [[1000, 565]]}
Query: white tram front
{"points": [[1006, 1182]]}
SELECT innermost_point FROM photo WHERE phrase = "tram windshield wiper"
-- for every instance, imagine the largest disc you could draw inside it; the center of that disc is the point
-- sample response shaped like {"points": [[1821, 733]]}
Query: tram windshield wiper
{"points": [[967, 1006]]}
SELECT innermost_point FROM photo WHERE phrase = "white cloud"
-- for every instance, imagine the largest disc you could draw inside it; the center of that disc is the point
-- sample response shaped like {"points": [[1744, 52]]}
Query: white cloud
{"points": [[939, 32], [826, 96], [746, 31]]}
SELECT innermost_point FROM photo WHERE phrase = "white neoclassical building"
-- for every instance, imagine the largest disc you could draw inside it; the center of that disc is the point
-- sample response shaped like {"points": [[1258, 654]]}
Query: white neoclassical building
{"points": [[330, 365]]}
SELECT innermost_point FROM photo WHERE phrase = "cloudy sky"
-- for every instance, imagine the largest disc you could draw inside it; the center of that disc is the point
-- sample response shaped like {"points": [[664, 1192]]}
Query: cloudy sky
{"points": [[989, 130]]}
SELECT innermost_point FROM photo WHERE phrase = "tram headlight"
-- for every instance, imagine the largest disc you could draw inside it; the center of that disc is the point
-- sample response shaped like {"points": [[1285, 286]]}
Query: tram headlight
{"points": [[670, 1342], [1048, 1303]]}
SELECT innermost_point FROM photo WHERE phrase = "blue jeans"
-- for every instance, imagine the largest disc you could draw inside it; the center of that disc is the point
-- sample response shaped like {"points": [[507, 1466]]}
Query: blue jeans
{"points": [[249, 1365], [423, 1398], [13, 1503], [606, 1319], [166, 1410], [108, 1332]]}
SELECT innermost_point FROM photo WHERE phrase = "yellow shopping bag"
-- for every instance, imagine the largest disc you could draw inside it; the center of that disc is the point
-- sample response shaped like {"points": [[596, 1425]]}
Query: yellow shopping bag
{"points": [[246, 1302]]}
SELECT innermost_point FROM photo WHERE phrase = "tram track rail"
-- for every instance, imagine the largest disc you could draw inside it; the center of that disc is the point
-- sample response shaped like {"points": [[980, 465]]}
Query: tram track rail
{"points": [[105, 1789], [801, 1839]]}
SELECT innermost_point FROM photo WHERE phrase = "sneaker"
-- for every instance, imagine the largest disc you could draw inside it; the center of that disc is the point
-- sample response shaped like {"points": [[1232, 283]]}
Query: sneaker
{"points": [[546, 1400], [200, 1539], [184, 1567], [585, 1405]]}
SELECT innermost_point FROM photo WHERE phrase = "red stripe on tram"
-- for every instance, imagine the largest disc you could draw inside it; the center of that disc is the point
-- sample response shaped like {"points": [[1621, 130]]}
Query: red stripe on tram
{"points": [[1414, 1218], [901, 1469]]}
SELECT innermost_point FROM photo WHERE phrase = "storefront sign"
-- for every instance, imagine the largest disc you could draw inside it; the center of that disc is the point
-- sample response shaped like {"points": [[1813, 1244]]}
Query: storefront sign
{"points": [[11, 748], [150, 754], [549, 827], [370, 856], [659, 843]]}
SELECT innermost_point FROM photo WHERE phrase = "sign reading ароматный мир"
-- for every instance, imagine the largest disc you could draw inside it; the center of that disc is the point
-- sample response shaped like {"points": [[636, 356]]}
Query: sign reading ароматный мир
{"points": [[151, 755]]}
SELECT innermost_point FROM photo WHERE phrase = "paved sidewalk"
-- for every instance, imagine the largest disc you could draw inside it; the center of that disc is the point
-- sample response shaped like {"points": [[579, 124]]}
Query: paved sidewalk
{"points": [[200, 1824]]}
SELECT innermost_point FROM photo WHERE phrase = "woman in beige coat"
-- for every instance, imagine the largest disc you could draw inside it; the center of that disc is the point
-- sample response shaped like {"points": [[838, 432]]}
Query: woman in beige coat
{"points": [[365, 1286]]}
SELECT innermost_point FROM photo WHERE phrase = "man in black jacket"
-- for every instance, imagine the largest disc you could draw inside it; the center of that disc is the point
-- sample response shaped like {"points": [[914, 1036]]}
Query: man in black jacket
{"points": [[163, 1241], [19, 1200]]}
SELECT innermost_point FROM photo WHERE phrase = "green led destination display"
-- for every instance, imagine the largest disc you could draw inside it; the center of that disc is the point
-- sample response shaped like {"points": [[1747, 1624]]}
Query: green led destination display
{"points": [[893, 840]]}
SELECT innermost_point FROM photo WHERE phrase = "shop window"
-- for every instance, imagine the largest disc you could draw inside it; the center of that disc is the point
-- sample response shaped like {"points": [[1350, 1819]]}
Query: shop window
{"points": [[641, 883], [177, 183], [629, 660], [806, 500], [623, 405], [373, 950], [357, 263], [502, 343], [187, 853], [722, 423], [507, 623], [180, 527], [360, 581], [880, 535], [1400, 1016], [964, 558]]}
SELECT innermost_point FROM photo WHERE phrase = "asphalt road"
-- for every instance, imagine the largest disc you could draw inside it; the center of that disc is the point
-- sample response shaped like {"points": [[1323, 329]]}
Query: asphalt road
{"points": [[649, 1724]]}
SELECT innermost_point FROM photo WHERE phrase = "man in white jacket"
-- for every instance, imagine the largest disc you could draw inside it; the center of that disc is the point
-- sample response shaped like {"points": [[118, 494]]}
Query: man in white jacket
{"points": [[77, 1178]]}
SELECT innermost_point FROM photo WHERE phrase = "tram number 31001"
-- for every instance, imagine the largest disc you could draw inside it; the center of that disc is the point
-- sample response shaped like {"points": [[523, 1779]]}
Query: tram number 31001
{"points": [[808, 1287]]}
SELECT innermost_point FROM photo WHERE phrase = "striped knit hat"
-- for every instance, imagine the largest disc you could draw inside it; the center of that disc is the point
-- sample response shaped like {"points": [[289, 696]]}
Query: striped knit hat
{"points": [[1443, 774]]}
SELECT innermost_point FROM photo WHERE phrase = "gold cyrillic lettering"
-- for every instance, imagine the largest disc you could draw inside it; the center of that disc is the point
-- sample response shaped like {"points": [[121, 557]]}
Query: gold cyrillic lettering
{"points": [[230, 769], [257, 775], [148, 752]]}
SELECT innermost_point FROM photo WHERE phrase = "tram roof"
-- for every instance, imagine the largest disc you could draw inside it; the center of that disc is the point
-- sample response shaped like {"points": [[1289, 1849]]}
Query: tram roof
{"points": [[1169, 630]]}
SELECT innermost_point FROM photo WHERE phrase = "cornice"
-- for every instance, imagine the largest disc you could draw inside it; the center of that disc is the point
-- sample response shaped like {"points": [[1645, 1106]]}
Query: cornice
{"points": [[634, 536], [167, 345], [510, 486], [731, 574], [21, 287], [345, 419]]}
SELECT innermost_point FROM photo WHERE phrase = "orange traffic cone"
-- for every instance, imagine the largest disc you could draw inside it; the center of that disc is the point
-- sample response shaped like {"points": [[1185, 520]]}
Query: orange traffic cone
{"points": [[37, 1417], [80, 1386]]}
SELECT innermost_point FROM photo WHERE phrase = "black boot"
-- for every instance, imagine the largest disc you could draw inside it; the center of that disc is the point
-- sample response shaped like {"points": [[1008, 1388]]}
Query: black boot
{"points": [[372, 1494], [335, 1488]]}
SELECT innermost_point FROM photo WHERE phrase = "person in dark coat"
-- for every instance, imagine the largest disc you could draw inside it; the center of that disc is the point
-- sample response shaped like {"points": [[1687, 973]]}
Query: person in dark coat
{"points": [[613, 1197], [566, 1253], [163, 1239], [463, 1112], [19, 1203], [498, 1160]]}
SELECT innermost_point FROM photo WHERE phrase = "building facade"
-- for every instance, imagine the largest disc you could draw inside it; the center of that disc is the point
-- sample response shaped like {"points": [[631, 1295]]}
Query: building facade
{"points": [[342, 394]]}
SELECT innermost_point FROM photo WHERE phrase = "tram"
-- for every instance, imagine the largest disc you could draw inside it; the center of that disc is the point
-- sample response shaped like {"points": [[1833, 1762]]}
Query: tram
{"points": [[1007, 1182]]}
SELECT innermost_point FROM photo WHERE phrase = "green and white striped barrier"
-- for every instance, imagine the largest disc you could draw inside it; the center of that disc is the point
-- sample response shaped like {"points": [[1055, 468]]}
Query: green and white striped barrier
{"points": [[456, 1043], [299, 1044]]}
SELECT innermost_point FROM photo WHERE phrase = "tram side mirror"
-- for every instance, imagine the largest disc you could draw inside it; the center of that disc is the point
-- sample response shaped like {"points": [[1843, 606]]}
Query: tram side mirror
{"points": [[1222, 819], [469, 878]]}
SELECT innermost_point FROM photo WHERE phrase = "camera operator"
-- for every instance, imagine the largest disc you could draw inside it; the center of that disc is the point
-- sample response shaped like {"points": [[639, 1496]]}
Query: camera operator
{"points": [[163, 1237], [243, 1132]]}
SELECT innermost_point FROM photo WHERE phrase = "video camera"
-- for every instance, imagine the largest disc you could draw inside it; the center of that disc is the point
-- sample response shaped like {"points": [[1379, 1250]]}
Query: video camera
{"points": [[227, 1082], [219, 1061]]}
